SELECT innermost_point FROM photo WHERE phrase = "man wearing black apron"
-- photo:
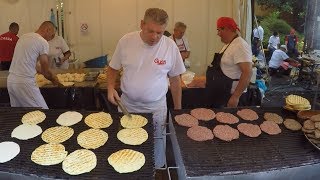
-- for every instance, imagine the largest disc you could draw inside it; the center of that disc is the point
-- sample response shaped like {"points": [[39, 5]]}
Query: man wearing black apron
{"points": [[230, 71]]}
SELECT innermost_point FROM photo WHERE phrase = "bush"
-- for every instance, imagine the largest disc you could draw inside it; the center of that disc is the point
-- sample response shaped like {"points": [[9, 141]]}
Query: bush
{"points": [[272, 23]]}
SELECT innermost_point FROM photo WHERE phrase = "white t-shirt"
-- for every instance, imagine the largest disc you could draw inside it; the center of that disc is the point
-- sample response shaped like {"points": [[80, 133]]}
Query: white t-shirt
{"points": [[274, 41], [145, 67], [29, 47], [183, 43], [277, 58], [238, 51], [258, 33], [57, 46]]}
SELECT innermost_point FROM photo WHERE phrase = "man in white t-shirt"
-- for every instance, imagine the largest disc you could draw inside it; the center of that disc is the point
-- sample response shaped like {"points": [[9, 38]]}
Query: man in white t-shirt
{"points": [[280, 61], [59, 53], [257, 39], [147, 59], [274, 42], [181, 40], [30, 48], [230, 72]]}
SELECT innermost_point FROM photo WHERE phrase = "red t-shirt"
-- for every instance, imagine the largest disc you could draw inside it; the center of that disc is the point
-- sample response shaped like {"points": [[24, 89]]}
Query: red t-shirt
{"points": [[8, 42]]}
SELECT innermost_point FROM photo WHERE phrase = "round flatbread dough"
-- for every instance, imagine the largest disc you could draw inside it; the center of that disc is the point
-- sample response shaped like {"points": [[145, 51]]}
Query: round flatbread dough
{"points": [[225, 132], [308, 124], [136, 121], [98, 120], [134, 136], [186, 120], [200, 133], [273, 117], [248, 114], [57, 134], [69, 118], [8, 151], [92, 138], [203, 114], [49, 154], [126, 160], [270, 127], [226, 118], [26, 131], [79, 162], [292, 124], [250, 130], [33, 117]]}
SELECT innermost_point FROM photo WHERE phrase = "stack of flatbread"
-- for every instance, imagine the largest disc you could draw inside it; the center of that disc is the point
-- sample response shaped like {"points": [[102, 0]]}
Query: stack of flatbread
{"points": [[297, 103], [71, 77], [311, 127]]}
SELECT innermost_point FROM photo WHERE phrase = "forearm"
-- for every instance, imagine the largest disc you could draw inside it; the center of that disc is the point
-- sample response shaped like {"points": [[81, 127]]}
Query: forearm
{"points": [[111, 76], [50, 76], [176, 91], [66, 56]]}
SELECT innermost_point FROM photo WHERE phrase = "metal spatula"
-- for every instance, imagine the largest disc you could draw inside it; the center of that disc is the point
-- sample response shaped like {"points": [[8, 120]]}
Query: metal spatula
{"points": [[123, 109]]}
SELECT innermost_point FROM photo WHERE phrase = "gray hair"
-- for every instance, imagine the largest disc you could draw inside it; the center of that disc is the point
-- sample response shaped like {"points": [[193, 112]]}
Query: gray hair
{"points": [[156, 15], [180, 25]]}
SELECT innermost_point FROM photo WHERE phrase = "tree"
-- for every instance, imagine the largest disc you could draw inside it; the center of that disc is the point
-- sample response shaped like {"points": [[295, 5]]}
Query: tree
{"points": [[293, 11]]}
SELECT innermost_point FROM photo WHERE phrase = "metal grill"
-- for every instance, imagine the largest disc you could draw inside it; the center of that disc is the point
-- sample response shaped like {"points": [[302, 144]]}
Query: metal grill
{"points": [[22, 164], [242, 156]]}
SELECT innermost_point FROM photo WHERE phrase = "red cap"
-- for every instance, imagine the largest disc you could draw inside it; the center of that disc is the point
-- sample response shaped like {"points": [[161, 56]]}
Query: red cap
{"points": [[228, 23]]}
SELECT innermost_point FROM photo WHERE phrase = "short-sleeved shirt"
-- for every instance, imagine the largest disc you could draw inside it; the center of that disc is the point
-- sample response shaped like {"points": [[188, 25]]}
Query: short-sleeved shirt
{"points": [[274, 41], [29, 47], [145, 67], [183, 43], [57, 46], [277, 58], [238, 51], [8, 42], [258, 33]]}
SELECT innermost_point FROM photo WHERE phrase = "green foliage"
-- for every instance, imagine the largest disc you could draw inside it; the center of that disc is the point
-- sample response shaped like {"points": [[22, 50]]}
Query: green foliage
{"points": [[272, 23]]}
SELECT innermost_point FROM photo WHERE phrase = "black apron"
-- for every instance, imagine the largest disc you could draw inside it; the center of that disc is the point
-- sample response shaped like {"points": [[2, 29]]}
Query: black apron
{"points": [[218, 85]]}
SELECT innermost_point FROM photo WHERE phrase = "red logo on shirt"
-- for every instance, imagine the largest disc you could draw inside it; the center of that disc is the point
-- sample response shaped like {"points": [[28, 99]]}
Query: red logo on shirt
{"points": [[160, 61]]}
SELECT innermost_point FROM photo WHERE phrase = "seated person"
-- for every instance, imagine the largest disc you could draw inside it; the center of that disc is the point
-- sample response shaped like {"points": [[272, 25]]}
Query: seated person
{"points": [[280, 61]]}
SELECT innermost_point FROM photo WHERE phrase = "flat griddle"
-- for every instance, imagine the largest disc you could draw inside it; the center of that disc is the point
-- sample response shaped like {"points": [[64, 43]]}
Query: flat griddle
{"points": [[267, 157], [21, 167]]}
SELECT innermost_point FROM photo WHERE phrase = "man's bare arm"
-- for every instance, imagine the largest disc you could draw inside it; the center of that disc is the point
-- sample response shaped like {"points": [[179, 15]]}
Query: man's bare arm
{"points": [[176, 91]]}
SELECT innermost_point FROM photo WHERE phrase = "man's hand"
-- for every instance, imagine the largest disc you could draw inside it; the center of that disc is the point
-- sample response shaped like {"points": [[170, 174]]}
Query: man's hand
{"points": [[233, 101], [113, 96]]}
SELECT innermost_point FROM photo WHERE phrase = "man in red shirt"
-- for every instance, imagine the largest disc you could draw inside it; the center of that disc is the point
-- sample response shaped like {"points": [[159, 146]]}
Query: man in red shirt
{"points": [[8, 42]]}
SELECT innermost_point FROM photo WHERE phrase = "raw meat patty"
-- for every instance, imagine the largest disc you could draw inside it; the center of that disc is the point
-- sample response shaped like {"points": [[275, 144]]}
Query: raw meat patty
{"points": [[203, 114], [186, 120], [199, 133], [226, 118], [248, 114], [270, 127], [250, 130], [225, 132]]}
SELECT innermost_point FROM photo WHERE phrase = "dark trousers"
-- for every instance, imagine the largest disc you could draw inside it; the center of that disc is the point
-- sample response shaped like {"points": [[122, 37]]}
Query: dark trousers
{"points": [[5, 65]]}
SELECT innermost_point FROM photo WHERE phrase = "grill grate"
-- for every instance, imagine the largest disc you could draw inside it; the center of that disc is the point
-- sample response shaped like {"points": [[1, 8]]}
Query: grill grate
{"points": [[244, 155], [22, 165]]}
